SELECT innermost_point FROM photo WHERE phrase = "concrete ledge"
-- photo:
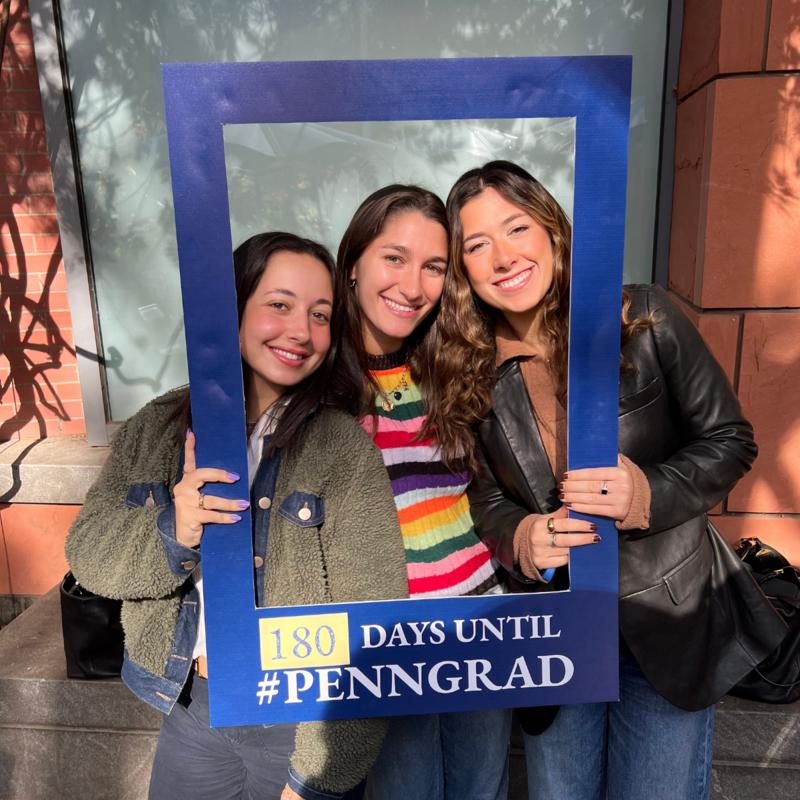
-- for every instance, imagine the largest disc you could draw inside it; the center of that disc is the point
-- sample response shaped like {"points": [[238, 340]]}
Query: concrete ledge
{"points": [[62, 738], [35, 690], [58, 470]]}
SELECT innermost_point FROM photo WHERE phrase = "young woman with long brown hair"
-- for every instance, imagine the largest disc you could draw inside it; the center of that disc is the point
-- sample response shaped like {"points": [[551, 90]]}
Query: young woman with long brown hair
{"points": [[683, 445], [417, 355], [324, 531]]}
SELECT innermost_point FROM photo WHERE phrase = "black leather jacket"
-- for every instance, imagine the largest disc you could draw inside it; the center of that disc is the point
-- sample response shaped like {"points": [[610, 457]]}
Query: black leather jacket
{"points": [[680, 422]]}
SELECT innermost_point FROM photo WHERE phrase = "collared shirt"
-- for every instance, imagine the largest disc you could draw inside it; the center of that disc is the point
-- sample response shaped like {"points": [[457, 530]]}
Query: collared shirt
{"points": [[551, 420], [551, 416]]}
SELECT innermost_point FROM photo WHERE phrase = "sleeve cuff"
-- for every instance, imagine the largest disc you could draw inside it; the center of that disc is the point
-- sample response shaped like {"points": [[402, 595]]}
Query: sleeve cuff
{"points": [[521, 555], [182, 560], [309, 792], [638, 516]]}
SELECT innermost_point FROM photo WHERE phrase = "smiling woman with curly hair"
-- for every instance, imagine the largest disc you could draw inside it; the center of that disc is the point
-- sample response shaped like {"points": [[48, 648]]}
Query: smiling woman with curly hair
{"points": [[421, 357]]}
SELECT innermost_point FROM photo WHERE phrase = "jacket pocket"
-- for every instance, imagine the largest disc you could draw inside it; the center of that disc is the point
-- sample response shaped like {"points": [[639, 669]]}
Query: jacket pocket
{"points": [[690, 575], [305, 510], [147, 494], [641, 398]]}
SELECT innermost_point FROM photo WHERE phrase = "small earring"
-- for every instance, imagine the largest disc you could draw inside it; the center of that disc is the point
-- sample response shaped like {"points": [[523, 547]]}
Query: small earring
{"points": [[352, 283]]}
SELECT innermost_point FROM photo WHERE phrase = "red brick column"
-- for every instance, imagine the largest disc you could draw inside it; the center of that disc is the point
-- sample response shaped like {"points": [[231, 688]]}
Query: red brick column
{"points": [[735, 242], [39, 390]]}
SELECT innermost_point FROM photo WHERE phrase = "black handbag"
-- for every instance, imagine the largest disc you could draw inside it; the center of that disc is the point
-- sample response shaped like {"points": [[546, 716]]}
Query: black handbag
{"points": [[92, 626], [777, 678]]}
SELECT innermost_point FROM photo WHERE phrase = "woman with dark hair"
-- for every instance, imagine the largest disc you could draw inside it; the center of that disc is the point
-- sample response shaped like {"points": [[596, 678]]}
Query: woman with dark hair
{"points": [[683, 446], [335, 537], [417, 353]]}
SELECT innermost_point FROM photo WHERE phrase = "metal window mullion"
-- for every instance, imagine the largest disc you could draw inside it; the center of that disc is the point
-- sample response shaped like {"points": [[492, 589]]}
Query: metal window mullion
{"points": [[62, 150], [666, 170]]}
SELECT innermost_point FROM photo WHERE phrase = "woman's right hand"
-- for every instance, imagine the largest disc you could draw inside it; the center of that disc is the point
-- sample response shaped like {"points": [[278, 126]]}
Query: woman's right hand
{"points": [[569, 532], [190, 516]]}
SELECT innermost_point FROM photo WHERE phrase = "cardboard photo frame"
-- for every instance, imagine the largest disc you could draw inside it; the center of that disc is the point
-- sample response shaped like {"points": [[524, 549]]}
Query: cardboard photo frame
{"points": [[527, 649]]}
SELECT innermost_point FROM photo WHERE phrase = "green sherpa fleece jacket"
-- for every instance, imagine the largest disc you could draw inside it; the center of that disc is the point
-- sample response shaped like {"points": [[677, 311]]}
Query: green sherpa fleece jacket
{"points": [[356, 554]]}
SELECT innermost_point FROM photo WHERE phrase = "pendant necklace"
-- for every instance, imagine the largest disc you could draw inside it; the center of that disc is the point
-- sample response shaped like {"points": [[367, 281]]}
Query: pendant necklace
{"points": [[387, 404]]}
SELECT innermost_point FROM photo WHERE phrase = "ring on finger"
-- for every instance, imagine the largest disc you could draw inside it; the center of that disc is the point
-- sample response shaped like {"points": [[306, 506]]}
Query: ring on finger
{"points": [[551, 525], [604, 490], [201, 498], [553, 540]]}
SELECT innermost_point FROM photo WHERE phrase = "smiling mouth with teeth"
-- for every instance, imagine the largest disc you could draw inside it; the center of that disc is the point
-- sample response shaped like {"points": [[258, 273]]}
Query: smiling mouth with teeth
{"points": [[397, 306], [521, 278], [287, 354]]}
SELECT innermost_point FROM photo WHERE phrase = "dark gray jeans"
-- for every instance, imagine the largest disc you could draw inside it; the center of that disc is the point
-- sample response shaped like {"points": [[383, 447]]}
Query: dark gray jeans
{"points": [[197, 762]]}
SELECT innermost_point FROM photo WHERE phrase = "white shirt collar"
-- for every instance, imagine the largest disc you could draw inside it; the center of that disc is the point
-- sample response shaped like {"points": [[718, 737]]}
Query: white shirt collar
{"points": [[265, 426]]}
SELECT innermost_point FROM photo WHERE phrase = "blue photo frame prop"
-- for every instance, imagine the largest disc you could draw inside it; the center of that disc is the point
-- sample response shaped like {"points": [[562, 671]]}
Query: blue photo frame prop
{"points": [[475, 652]]}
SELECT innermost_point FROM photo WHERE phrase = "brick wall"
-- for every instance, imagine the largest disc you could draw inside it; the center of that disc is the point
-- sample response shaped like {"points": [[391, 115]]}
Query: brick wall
{"points": [[735, 244], [39, 390]]}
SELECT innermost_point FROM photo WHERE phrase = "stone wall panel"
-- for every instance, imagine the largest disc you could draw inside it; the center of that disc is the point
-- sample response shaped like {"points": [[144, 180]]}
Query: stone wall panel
{"points": [[769, 388]]}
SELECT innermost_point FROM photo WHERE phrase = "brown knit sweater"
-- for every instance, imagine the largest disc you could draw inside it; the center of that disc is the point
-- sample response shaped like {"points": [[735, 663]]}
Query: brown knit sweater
{"points": [[551, 418]]}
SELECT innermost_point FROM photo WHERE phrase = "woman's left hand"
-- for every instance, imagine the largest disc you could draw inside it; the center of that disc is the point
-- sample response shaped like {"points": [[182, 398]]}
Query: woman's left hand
{"points": [[289, 794], [581, 491]]}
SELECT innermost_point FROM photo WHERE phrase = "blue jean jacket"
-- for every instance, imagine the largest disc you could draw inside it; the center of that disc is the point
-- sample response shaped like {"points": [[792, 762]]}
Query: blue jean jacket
{"points": [[163, 692]]}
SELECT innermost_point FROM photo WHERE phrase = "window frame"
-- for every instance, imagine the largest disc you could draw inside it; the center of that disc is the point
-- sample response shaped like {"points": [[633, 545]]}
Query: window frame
{"points": [[62, 145]]}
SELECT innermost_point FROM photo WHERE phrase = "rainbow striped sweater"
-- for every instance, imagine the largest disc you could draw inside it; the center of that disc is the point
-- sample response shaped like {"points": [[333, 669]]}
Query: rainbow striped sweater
{"points": [[444, 555]]}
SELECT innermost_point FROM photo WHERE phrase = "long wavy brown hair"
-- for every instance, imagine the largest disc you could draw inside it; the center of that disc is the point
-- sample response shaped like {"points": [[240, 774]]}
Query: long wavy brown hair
{"points": [[519, 187], [447, 350]]}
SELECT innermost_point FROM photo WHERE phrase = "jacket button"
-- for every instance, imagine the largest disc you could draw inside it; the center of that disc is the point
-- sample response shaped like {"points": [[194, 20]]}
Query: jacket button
{"points": [[304, 513], [149, 502], [258, 562], [188, 564], [264, 503]]}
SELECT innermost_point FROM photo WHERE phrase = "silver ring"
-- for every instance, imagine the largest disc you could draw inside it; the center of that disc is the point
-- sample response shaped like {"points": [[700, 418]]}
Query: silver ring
{"points": [[553, 540], [604, 490]]}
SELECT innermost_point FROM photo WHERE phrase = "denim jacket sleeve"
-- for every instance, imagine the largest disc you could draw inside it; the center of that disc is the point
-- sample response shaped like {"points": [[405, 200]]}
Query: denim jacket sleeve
{"points": [[181, 559], [114, 547], [308, 791]]}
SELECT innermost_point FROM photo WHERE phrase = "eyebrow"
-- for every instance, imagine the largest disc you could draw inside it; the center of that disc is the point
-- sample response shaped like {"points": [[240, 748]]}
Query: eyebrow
{"points": [[502, 224], [400, 248], [322, 301]]}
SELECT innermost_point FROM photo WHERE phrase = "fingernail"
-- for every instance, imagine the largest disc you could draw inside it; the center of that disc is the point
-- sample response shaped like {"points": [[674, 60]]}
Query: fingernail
{"points": [[596, 539], [232, 476], [561, 486], [566, 476], [246, 504], [561, 496], [237, 518], [592, 526], [188, 432], [567, 505]]}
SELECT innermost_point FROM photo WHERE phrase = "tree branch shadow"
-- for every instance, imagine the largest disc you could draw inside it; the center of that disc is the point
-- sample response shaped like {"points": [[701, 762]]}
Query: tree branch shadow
{"points": [[28, 386]]}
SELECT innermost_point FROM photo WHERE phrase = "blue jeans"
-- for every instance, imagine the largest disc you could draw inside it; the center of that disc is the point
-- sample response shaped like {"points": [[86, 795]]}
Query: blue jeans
{"points": [[641, 747], [457, 756], [197, 762]]}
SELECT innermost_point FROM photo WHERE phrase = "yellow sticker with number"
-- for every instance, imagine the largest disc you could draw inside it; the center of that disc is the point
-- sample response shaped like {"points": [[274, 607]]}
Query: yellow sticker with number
{"points": [[318, 640]]}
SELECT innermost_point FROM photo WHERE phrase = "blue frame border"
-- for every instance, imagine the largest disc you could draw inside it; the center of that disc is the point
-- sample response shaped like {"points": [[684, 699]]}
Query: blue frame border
{"points": [[200, 99]]}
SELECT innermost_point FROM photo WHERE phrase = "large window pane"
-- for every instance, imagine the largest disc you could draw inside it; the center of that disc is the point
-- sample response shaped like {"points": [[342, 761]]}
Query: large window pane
{"points": [[309, 178], [114, 52]]}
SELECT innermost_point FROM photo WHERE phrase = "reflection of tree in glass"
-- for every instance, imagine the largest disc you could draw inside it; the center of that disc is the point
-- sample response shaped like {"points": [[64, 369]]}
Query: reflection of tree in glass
{"points": [[309, 178], [114, 52]]}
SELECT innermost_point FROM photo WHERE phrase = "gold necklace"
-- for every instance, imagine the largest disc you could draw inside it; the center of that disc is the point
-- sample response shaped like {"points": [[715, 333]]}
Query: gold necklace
{"points": [[387, 404]]}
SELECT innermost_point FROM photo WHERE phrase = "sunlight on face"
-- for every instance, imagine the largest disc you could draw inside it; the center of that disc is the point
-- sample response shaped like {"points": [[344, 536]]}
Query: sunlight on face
{"points": [[286, 325], [507, 254], [399, 279]]}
